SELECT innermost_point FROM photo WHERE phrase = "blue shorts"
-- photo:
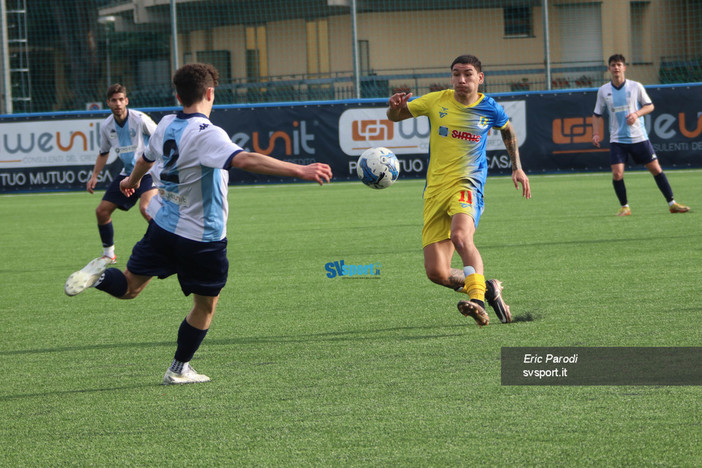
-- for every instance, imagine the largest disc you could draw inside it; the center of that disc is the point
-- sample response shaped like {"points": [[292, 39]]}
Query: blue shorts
{"points": [[202, 267], [641, 153], [114, 195]]}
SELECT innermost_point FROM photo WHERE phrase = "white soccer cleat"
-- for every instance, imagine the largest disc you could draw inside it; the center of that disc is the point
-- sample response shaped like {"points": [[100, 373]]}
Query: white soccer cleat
{"points": [[189, 375], [87, 276]]}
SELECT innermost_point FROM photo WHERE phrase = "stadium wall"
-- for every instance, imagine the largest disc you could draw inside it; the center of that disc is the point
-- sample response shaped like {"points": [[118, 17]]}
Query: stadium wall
{"points": [[57, 151]]}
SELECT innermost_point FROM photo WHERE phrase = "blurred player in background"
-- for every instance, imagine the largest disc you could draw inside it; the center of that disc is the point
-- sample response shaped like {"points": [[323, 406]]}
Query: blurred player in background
{"points": [[460, 120], [627, 103], [187, 235], [127, 131]]}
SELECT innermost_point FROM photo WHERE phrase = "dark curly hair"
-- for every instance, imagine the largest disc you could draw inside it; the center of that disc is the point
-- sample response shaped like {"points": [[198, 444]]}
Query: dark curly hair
{"points": [[192, 80]]}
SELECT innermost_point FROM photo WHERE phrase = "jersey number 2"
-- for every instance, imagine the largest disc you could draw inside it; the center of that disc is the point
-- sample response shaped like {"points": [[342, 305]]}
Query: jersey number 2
{"points": [[170, 155]]}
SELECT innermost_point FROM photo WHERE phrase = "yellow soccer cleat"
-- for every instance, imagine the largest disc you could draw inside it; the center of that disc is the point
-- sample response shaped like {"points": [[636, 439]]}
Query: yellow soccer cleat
{"points": [[678, 208], [624, 211]]}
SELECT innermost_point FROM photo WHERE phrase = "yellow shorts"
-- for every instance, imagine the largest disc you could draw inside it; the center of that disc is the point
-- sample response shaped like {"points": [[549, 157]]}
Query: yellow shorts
{"points": [[440, 208]]}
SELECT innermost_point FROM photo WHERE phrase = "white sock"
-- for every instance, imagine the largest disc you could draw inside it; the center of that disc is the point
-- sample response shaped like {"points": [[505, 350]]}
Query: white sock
{"points": [[109, 251]]}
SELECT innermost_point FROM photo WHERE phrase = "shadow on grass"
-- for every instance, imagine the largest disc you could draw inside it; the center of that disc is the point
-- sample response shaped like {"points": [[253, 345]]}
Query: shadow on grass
{"points": [[579, 241], [48, 393], [396, 333], [526, 317]]}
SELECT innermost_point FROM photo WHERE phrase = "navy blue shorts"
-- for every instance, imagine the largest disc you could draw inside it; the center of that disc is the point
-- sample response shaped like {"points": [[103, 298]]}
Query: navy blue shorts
{"points": [[641, 153], [114, 195], [202, 267]]}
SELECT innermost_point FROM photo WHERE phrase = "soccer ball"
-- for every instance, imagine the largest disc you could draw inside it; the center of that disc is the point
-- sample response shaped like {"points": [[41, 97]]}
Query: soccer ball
{"points": [[378, 168]]}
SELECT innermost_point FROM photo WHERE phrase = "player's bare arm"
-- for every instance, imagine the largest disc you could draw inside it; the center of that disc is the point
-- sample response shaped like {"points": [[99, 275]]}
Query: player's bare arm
{"points": [[596, 125], [97, 169], [262, 164], [398, 107], [509, 137], [129, 185], [634, 116]]}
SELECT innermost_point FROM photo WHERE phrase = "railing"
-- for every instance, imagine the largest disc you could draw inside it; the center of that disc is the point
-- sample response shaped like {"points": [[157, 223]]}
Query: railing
{"points": [[377, 84]]}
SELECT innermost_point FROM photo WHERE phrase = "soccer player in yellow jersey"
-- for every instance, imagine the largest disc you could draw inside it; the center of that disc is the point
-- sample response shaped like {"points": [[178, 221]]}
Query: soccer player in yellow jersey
{"points": [[460, 119]]}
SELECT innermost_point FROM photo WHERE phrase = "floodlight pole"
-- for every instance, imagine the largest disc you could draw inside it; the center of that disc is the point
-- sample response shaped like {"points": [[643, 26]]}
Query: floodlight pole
{"points": [[356, 66], [174, 35], [547, 47], [174, 40], [6, 100], [107, 21]]}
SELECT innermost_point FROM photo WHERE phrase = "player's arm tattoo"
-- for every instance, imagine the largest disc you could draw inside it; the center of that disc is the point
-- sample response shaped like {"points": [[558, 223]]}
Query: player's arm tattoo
{"points": [[509, 137]]}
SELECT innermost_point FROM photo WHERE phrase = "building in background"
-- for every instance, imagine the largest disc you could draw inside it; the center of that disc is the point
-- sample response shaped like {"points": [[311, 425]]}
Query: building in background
{"points": [[275, 50]]}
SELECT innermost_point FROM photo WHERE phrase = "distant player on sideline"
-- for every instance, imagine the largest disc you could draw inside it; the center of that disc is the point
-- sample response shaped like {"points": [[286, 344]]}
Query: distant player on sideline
{"points": [[460, 120], [627, 103], [127, 131], [187, 235]]}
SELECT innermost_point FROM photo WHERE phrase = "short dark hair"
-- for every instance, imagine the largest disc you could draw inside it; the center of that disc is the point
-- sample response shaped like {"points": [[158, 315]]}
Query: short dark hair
{"points": [[468, 60], [114, 89], [616, 58], [192, 80]]}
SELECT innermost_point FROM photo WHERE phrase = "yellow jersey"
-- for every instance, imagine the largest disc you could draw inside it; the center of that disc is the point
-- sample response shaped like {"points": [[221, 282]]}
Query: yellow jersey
{"points": [[458, 138]]}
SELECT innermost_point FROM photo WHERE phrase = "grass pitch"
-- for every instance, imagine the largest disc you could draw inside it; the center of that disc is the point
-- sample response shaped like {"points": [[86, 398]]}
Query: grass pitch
{"points": [[309, 370]]}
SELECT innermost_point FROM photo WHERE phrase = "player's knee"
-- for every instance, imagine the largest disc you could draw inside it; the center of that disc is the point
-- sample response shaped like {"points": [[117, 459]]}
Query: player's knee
{"points": [[102, 214], [461, 242]]}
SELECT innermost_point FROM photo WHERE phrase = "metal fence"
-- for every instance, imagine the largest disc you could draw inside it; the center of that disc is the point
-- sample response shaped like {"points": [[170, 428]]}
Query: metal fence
{"points": [[61, 55]]}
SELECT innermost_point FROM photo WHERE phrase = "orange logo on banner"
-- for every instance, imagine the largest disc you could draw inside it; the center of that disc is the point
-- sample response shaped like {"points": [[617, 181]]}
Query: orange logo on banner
{"points": [[683, 128], [574, 130], [370, 130]]}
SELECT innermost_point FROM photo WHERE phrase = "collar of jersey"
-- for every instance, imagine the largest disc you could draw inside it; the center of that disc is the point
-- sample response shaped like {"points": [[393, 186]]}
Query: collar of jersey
{"points": [[183, 115]]}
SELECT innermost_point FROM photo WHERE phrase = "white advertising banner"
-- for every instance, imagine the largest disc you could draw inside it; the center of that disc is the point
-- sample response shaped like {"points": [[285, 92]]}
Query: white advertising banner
{"points": [[50, 143]]}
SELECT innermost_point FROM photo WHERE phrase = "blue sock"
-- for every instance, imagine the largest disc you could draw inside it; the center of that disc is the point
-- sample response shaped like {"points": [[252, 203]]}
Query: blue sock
{"points": [[113, 282], [620, 190], [107, 234], [664, 186], [189, 339]]}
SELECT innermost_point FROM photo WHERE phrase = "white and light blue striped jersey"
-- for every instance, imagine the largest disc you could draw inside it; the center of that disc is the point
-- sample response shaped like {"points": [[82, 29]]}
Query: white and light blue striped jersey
{"points": [[129, 139], [193, 156], [620, 102]]}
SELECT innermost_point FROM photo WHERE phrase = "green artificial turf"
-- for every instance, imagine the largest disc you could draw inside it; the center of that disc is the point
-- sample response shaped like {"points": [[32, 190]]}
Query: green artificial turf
{"points": [[374, 370]]}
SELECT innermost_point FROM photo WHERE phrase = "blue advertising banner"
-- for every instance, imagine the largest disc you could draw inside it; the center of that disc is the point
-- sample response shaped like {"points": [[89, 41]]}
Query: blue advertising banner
{"points": [[554, 131], [559, 129]]}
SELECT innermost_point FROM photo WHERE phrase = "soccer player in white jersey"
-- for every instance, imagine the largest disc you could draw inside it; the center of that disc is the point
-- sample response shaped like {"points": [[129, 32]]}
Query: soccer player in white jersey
{"points": [[127, 131], [187, 234], [460, 120], [627, 103]]}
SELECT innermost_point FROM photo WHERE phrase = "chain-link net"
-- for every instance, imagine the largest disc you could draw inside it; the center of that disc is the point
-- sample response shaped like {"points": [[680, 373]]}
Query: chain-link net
{"points": [[61, 55]]}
